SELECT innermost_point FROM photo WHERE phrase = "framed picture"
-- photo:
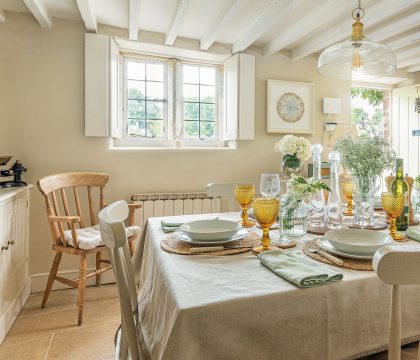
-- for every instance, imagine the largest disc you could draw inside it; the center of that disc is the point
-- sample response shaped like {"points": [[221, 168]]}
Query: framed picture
{"points": [[290, 107]]}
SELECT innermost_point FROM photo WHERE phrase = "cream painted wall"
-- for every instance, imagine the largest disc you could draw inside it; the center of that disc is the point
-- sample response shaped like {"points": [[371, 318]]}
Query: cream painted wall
{"points": [[42, 124]]}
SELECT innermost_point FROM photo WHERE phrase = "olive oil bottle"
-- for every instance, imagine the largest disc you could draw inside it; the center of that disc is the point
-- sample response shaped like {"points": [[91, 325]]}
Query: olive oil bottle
{"points": [[400, 186]]}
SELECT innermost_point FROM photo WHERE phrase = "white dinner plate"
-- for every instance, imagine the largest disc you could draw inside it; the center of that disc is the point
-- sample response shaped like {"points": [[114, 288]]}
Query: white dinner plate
{"points": [[210, 230], [180, 235], [325, 244], [357, 241]]}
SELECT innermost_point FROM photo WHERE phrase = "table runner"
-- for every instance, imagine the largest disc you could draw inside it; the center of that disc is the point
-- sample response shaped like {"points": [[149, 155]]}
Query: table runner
{"points": [[207, 307]]}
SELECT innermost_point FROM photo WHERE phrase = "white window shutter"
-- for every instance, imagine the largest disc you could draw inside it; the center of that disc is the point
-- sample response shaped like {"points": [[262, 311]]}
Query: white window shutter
{"points": [[239, 71], [115, 116], [230, 123]]}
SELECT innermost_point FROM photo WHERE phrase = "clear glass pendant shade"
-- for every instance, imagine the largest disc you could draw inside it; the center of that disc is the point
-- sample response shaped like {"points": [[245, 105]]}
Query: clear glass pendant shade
{"points": [[357, 60]]}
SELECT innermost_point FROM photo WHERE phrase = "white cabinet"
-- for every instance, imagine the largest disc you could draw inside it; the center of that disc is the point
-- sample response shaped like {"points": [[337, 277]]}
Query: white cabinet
{"points": [[14, 254]]}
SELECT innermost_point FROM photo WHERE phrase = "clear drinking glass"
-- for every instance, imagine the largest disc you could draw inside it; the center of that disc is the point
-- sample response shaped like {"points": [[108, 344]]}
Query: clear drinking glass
{"points": [[270, 185]]}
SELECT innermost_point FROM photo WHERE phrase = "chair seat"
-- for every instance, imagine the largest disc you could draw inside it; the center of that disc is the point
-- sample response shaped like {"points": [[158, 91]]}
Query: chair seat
{"points": [[90, 237]]}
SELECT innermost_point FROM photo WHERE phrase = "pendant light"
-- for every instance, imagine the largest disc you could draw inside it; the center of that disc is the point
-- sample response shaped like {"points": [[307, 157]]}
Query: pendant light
{"points": [[357, 58]]}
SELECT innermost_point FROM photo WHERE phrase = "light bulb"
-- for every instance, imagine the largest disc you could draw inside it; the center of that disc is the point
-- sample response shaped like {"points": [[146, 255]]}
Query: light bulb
{"points": [[356, 59]]}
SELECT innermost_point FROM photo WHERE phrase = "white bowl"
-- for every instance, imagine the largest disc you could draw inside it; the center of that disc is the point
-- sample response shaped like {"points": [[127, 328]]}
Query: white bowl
{"points": [[357, 241], [207, 230]]}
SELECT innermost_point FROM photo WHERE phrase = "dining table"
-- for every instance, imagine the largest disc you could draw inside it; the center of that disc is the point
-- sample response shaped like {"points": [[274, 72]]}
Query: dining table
{"points": [[206, 307]]}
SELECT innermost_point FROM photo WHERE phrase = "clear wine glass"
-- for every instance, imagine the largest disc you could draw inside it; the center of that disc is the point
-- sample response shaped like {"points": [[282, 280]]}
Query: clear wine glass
{"points": [[270, 185]]}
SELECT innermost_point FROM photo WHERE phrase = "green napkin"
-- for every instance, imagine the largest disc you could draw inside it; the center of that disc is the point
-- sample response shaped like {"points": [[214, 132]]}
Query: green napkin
{"points": [[413, 233], [295, 267]]}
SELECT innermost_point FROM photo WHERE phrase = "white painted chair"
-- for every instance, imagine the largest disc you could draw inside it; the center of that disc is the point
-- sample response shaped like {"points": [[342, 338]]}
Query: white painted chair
{"points": [[111, 223], [397, 265], [225, 191]]}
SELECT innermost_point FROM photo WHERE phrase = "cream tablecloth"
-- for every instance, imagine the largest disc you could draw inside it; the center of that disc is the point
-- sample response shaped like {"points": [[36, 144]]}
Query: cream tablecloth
{"points": [[232, 307]]}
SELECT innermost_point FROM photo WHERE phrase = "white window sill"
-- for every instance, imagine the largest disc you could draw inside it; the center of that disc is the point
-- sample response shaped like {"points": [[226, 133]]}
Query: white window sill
{"points": [[167, 146]]}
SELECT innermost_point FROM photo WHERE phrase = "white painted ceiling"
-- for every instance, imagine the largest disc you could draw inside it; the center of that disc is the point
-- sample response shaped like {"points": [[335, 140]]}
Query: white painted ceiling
{"points": [[302, 26]]}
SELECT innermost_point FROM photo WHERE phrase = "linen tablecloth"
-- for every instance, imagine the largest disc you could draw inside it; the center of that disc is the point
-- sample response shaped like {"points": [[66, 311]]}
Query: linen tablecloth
{"points": [[232, 307]]}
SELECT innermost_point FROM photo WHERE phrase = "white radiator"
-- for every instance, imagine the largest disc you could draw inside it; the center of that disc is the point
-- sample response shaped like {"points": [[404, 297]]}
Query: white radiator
{"points": [[168, 204]]}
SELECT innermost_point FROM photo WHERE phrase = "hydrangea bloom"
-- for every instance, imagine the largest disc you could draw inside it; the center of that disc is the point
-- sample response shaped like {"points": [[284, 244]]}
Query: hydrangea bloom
{"points": [[294, 145]]}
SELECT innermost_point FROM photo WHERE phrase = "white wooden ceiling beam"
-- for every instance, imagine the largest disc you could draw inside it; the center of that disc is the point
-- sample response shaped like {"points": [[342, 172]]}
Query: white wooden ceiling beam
{"points": [[2, 16], [178, 17], [134, 19], [311, 21], [404, 41], [395, 28], [265, 21], [407, 62], [408, 53], [414, 68], [226, 16], [39, 11], [375, 14], [87, 14]]}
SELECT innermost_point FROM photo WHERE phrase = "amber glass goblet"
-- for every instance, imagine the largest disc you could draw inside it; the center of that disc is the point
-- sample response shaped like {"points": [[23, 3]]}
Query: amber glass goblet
{"points": [[244, 194], [393, 205], [347, 186], [266, 211]]}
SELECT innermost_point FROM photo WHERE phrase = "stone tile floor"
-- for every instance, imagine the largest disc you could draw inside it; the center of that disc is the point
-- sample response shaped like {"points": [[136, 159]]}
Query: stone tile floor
{"points": [[51, 333]]}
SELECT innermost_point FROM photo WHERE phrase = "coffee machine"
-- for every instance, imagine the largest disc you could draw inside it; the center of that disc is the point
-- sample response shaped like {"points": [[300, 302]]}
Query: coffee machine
{"points": [[15, 170]]}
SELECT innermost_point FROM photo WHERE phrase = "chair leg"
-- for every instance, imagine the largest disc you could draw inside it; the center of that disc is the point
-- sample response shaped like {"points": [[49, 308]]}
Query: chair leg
{"points": [[82, 287], [131, 247], [418, 353], [98, 267], [51, 277], [394, 346]]}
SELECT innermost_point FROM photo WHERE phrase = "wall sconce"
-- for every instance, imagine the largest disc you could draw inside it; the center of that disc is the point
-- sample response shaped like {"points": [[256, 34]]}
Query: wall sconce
{"points": [[330, 107]]}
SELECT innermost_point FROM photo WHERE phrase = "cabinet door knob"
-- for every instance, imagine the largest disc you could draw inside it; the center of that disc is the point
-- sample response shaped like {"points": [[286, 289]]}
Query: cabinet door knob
{"points": [[4, 247], [11, 242]]}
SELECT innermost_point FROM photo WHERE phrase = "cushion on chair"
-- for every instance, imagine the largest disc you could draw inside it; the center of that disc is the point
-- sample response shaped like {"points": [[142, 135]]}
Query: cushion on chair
{"points": [[90, 237]]}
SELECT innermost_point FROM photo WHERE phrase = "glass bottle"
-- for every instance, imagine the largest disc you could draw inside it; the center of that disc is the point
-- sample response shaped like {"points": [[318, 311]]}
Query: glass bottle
{"points": [[334, 210], [400, 186], [317, 211]]}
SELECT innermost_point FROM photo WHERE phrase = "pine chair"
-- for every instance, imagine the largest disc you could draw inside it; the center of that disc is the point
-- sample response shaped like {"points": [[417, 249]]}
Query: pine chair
{"points": [[396, 266], [79, 238], [129, 343]]}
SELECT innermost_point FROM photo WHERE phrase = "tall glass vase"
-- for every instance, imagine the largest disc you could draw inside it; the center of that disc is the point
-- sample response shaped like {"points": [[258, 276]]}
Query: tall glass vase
{"points": [[293, 218], [364, 196]]}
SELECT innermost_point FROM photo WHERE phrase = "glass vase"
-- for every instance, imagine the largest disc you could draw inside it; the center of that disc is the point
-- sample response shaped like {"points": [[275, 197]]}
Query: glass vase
{"points": [[364, 190], [291, 165], [294, 218]]}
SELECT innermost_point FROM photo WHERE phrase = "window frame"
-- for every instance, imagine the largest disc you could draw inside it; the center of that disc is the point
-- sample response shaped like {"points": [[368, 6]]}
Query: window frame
{"points": [[173, 107]]}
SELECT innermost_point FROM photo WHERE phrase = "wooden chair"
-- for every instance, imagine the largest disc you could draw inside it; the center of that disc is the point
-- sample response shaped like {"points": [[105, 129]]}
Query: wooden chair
{"points": [[129, 343], [397, 265], [79, 238]]}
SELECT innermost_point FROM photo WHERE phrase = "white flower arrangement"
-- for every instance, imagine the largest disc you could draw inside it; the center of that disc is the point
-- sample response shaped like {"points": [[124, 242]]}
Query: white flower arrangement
{"points": [[294, 146]]}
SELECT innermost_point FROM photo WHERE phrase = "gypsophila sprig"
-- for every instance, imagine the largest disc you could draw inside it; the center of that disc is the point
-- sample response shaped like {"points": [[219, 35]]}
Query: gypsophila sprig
{"points": [[366, 156], [294, 146]]}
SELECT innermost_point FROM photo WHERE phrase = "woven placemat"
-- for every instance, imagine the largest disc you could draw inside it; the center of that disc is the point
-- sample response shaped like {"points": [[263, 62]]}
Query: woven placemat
{"points": [[173, 245], [317, 230], [354, 264]]}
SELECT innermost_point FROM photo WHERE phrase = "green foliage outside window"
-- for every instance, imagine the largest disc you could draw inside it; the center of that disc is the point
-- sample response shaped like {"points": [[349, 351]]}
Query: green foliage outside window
{"points": [[375, 100]]}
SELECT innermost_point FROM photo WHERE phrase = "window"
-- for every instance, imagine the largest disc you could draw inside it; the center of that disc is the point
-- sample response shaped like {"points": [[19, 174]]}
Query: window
{"points": [[370, 110], [199, 101], [146, 91], [168, 100]]}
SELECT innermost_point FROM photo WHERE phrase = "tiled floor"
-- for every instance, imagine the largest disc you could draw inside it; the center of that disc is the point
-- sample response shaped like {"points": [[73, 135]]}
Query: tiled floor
{"points": [[51, 333]]}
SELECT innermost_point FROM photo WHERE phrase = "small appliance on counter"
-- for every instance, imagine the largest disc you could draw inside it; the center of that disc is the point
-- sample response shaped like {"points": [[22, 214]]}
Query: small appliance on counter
{"points": [[15, 170]]}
